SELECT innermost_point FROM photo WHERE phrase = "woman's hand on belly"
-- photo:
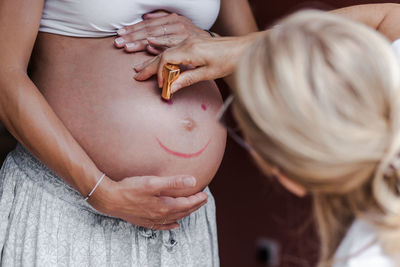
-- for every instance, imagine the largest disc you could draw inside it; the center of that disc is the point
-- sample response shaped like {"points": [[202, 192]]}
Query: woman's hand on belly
{"points": [[158, 31], [146, 201]]}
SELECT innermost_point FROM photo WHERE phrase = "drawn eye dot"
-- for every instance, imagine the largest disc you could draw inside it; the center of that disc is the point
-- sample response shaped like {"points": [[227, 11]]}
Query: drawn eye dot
{"points": [[204, 107]]}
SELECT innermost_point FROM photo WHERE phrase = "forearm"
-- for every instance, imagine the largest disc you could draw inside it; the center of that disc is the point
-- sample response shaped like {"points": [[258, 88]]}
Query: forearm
{"points": [[30, 119], [242, 44], [384, 18], [235, 18]]}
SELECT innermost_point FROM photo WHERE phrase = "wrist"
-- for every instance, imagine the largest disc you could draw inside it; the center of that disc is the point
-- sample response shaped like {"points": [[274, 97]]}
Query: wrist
{"points": [[103, 198], [83, 176], [246, 41], [251, 37]]}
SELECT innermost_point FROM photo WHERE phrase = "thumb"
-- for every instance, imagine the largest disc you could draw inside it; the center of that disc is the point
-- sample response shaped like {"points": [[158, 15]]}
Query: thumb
{"points": [[147, 69], [172, 182]]}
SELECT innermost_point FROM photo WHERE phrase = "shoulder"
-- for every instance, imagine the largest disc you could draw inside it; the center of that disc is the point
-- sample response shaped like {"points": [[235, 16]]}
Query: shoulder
{"points": [[361, 248]]}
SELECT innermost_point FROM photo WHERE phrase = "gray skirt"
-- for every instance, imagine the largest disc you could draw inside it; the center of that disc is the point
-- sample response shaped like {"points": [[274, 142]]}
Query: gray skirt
{"points": [[45, 222]]}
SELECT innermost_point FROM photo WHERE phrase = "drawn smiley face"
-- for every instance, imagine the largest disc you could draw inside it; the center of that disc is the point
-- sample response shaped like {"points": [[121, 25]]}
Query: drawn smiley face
{"points": [[189, 125]]}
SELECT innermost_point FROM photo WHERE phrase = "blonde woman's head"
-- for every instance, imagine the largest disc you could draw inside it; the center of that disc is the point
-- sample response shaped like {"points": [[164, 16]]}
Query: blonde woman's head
{"points": [[319, 97]]}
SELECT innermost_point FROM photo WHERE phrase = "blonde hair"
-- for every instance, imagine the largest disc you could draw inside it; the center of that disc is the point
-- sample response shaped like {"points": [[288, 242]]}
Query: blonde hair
{"points": [[319, 97]]}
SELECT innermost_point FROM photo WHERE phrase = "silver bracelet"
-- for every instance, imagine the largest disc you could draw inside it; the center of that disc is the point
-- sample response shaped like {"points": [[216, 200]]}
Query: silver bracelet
{"points": [[94, 188]]}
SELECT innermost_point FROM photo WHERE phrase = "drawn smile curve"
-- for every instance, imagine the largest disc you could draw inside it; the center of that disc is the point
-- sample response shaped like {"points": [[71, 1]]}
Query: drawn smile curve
{"points": [[181, 154]]}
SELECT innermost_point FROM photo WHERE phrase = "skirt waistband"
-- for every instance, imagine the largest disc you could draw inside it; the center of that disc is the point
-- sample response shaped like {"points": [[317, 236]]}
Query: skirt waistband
{"points": [[40, 174]]}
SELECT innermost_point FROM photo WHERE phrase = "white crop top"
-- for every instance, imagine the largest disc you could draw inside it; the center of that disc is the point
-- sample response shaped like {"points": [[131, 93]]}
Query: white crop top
{"points": [[99, 18]]}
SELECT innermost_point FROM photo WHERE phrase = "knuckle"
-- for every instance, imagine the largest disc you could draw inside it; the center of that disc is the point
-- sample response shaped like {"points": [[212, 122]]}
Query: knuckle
{"points": [[183, 27], [188, 61], [151, 32], [127, 38], [158, 216], [163, 59], [163, 212], [180, 26], [146, 29], [192, 45], [189, 80], [171, 184], [169, 42], [174, 183], [150, 183], [152, 216]]}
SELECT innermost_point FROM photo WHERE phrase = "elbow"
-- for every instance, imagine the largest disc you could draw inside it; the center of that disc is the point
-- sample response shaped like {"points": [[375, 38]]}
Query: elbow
{"points": [[10, 74]]}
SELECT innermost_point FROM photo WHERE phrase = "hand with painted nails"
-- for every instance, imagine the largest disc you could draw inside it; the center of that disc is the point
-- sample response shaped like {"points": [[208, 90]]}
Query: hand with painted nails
{"points": [[153, 202], [158, 30], [207, 58]]}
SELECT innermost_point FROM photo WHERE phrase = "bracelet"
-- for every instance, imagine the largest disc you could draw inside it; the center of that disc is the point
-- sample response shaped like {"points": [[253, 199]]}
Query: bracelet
{"points": [[210, 32], [94, 188]]}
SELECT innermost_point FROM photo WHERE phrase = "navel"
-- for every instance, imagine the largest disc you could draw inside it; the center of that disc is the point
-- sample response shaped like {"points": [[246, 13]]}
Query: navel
{"points": [[189, 124]]}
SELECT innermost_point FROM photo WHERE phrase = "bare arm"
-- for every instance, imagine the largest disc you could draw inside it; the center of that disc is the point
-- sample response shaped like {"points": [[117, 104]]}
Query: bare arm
{"points": [[27, 115], [23, 109], [385, 18], [235, 18], [213, 61]]}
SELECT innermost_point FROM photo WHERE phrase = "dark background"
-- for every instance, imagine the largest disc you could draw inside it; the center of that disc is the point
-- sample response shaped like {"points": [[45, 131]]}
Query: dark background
{"points": [[252, 209]]}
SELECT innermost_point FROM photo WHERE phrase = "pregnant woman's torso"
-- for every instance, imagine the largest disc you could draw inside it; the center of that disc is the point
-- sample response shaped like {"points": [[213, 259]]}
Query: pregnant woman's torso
{"points": [[123, 124]]}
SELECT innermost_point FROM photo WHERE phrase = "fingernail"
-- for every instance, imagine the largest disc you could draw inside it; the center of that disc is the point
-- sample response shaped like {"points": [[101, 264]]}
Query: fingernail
{"points": [[130, 45], [121, 31], [151, 38], [137, 67], [119, 41], [189, 181]]}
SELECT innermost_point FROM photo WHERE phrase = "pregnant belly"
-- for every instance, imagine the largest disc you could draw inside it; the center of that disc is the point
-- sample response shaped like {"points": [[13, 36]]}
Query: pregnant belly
{"points": [[123, 124]]}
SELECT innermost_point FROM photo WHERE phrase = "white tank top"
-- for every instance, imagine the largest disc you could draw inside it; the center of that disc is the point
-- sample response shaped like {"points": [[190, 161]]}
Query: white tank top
{"points": [[99, 18]]}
